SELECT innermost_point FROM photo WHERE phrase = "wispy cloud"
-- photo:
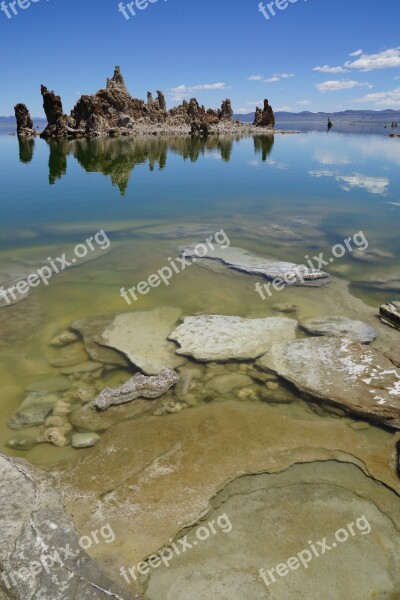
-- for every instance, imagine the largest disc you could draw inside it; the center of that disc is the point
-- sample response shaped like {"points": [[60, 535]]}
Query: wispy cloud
{"points": [[390, 98], [255, 78], [304, 102], [328, 69], [178, 93], [338, 85], [373, 185], [387, 59], [356, 53], [278, 77]]}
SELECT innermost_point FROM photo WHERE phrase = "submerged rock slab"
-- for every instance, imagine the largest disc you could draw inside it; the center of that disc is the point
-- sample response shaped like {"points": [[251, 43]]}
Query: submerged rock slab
{"points": [[34, 526], [142, 337], [139, 386], [242, 260], [340, 327], [340, 372], [138, 485], [91, 327], [270, 517], [33, 410], [218, 337]]}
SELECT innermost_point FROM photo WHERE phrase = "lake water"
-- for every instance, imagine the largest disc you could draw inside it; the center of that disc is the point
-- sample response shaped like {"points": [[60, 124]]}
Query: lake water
{"points": [[287, 196]]}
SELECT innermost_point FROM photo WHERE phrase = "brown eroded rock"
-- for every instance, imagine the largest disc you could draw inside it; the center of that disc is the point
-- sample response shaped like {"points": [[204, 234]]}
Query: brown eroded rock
{"points": [[265, 117], [24, 121], [139, 386]]}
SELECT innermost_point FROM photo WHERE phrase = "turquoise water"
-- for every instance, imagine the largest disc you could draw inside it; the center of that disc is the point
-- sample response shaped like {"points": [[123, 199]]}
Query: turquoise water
{"points": [[285, 196]]}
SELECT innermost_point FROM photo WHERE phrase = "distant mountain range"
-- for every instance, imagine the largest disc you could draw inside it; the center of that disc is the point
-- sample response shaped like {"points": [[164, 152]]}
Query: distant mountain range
{"points": [[371, 116], [9, 124]]}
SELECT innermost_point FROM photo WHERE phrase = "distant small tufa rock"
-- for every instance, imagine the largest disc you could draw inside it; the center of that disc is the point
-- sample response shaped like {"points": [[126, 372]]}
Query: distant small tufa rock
{"points": [[265, 117], [24, 121]]}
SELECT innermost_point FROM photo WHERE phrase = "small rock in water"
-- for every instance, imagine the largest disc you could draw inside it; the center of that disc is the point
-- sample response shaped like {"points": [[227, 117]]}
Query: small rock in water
{"points": [[62, 408], [58, 384], [139, 386], [64, 339], [58, 436], [69, 356], [285, 307], [22, 442], [55, 421], [84, 440], [33, 410], [340, 327], [246, 394], [273, 386], [390, 314], [226, 383]]}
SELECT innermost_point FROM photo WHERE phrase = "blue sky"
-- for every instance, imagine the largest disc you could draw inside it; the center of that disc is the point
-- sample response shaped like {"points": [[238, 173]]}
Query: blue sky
{"points": [[208, 49]]}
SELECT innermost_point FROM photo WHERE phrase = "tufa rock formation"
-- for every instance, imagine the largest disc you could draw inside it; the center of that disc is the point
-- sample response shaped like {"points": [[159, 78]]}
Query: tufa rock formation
{"points": [[24, 121], [113, 112], [266, 117]]}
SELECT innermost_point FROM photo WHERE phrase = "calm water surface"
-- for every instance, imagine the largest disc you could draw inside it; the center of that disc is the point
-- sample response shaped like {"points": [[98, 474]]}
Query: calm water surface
{"points": [[285, 196]]}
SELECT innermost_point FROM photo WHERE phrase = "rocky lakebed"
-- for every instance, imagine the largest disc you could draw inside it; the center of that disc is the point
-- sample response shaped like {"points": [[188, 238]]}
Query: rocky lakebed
{"points": [[288, 423]]}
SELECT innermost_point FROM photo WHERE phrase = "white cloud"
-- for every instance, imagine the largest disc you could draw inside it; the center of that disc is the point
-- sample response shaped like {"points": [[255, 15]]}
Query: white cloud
{"points": [[390, 98], [304, 102], [284, 108], [373, 185], [278, 77], [178, 93], [331, 158], [397, 77], [194, 88], [328, 69], [387, 59], [321, 173], [343, 84], [255, 78], [356, 53]]}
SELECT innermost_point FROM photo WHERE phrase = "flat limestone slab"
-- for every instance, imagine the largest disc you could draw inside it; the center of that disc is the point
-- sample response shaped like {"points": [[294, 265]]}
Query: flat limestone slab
{"points": [[218, 337], [340, 327], [242, 260], [270, 517], [142, 337], [140, 468], [34, 525], [340, 372]]}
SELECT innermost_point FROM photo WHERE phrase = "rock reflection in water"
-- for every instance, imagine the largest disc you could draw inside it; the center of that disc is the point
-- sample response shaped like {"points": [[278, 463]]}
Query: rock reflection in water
{"points": [[116, 158], [26, 148]]}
